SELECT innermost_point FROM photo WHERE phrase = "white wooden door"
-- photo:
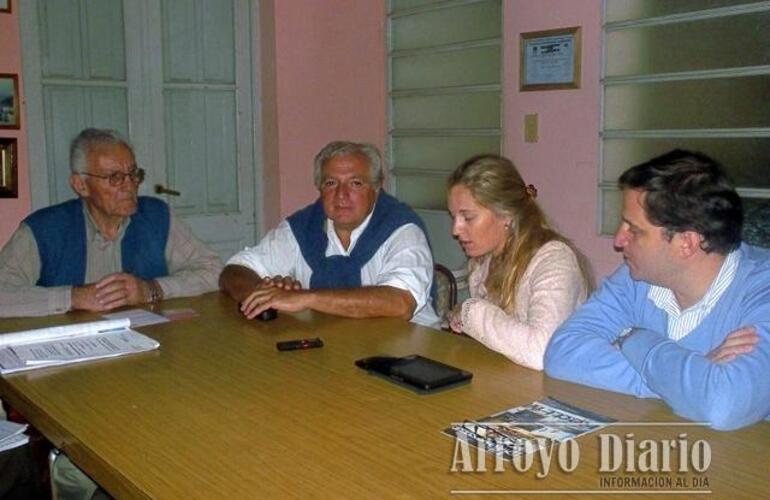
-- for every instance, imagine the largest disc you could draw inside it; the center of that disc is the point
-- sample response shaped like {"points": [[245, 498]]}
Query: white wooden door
{"points": [[175, 76]]}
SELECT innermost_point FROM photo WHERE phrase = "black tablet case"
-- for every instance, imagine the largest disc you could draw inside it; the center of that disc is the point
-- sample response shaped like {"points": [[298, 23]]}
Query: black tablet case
{"points": [[421, 374]]}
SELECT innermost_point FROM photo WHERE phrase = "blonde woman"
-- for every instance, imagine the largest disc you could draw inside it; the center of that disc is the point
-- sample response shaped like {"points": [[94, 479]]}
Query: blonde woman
{"points": [[525, 278]]}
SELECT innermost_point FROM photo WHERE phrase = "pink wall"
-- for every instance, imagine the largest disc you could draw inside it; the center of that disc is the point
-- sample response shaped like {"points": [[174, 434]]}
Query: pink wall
{"points": [[323, 93], [563, 164], [330, 73], [12, 210], [323, 78]]}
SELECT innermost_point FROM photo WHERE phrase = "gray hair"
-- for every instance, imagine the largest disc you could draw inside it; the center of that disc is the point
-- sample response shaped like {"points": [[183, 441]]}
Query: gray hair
{"points": [[89, 139], [343, 148]]}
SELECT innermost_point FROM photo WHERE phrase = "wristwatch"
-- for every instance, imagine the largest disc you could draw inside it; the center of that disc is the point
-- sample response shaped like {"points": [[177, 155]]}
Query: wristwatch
{"points": [[624, 335], [153, 293]]}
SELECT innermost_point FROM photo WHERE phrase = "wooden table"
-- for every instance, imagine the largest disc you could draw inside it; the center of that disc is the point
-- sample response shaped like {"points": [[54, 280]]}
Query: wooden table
{"points": [[218, 412]]}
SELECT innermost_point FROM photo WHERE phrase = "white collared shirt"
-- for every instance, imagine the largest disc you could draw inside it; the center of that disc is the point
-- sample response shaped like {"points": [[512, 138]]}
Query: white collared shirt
{"points": [[335, 246], [403, 261], [680, 323]]}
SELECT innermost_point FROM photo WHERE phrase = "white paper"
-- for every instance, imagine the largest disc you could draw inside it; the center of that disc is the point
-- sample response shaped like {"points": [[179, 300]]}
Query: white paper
{"points": [[8, 428], [12, 435], [550, 59], [138, 317], [91, 346], [71, 344], [14, 442], [62, 332]]}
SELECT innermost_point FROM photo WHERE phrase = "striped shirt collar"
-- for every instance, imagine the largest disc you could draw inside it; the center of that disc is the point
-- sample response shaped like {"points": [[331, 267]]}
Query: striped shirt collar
{"points": [[680, 323]]}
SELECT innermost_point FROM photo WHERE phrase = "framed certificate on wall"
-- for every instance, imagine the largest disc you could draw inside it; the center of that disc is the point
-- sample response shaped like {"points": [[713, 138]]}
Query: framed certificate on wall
{"points": [[550, 60]]}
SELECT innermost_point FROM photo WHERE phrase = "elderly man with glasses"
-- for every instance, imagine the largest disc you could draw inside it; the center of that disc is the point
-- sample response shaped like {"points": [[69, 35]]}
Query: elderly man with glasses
{"points": [[108, 248]]}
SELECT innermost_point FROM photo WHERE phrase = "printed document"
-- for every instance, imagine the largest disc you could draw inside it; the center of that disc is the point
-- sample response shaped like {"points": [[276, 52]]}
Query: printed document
{"points": [[70, 344]]}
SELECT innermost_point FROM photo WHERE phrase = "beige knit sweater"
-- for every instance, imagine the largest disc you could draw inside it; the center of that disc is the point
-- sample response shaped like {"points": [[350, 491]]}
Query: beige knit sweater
{"points": [[550, 290]]}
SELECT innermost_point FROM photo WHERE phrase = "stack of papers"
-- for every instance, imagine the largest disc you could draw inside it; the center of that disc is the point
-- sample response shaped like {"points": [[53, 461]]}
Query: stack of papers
{"points": [[12, 435], [61, 345]]}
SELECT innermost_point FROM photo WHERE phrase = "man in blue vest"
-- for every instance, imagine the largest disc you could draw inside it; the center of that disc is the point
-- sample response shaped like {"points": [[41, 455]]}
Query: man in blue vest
{"points": [[105, 249], [356, 252]]}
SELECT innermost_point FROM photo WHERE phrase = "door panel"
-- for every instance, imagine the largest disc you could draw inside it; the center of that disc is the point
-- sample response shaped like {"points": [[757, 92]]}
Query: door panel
{"points": [[69, 109], [181, 48], [185, 104], [108, 107], [218, 49], [82, 50], [60, 39], [221, 160], [66, 108], [201, 161], [186, 150], [207, 102], [104, 40]]}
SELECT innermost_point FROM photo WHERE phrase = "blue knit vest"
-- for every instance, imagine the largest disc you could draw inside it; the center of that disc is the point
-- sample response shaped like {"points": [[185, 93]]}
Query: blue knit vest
{"points": [[340, 271], [60, 234]]}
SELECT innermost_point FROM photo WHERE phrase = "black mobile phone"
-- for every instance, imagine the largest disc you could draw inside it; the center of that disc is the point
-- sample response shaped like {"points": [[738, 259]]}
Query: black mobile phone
{"points": [[293, 345], [421, 374], [268, 314]]}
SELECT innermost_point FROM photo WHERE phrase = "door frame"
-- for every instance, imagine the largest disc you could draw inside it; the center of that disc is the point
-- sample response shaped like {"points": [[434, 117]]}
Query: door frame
{"points": [[34, 122]]}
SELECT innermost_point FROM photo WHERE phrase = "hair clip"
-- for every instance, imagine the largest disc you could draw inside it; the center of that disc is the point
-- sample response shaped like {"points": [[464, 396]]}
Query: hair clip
{"points": [[531, 190]]}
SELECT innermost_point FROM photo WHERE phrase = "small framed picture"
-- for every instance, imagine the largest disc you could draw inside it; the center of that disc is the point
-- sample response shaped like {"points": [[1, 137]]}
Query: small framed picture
{"points": [[9, 100], [550, 60], [5, 6], [9, 187]]}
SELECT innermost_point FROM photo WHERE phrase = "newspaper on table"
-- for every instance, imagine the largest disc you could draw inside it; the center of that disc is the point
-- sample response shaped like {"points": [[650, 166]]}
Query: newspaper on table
{"points": [[59, 345], [528, 428]]}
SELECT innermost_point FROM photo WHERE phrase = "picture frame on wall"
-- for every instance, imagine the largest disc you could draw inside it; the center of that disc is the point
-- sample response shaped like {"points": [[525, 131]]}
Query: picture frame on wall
{"points": [[9, 185], [9, 100], [550, 60], [5, 6]]}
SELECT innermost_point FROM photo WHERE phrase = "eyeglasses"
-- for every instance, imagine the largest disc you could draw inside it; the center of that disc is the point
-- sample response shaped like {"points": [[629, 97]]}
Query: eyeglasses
{"points": [[117, 178]]}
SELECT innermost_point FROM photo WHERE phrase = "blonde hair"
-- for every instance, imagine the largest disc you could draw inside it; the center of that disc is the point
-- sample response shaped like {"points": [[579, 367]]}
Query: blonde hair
{"points": [[494, 183]]}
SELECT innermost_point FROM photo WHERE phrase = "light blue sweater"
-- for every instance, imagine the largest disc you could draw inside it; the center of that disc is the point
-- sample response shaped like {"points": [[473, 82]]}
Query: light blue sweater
{"points": [[728, 396]]}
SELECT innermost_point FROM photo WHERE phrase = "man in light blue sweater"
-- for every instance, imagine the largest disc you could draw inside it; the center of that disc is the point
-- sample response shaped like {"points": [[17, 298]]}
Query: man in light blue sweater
{"points": [[686, 318]]}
